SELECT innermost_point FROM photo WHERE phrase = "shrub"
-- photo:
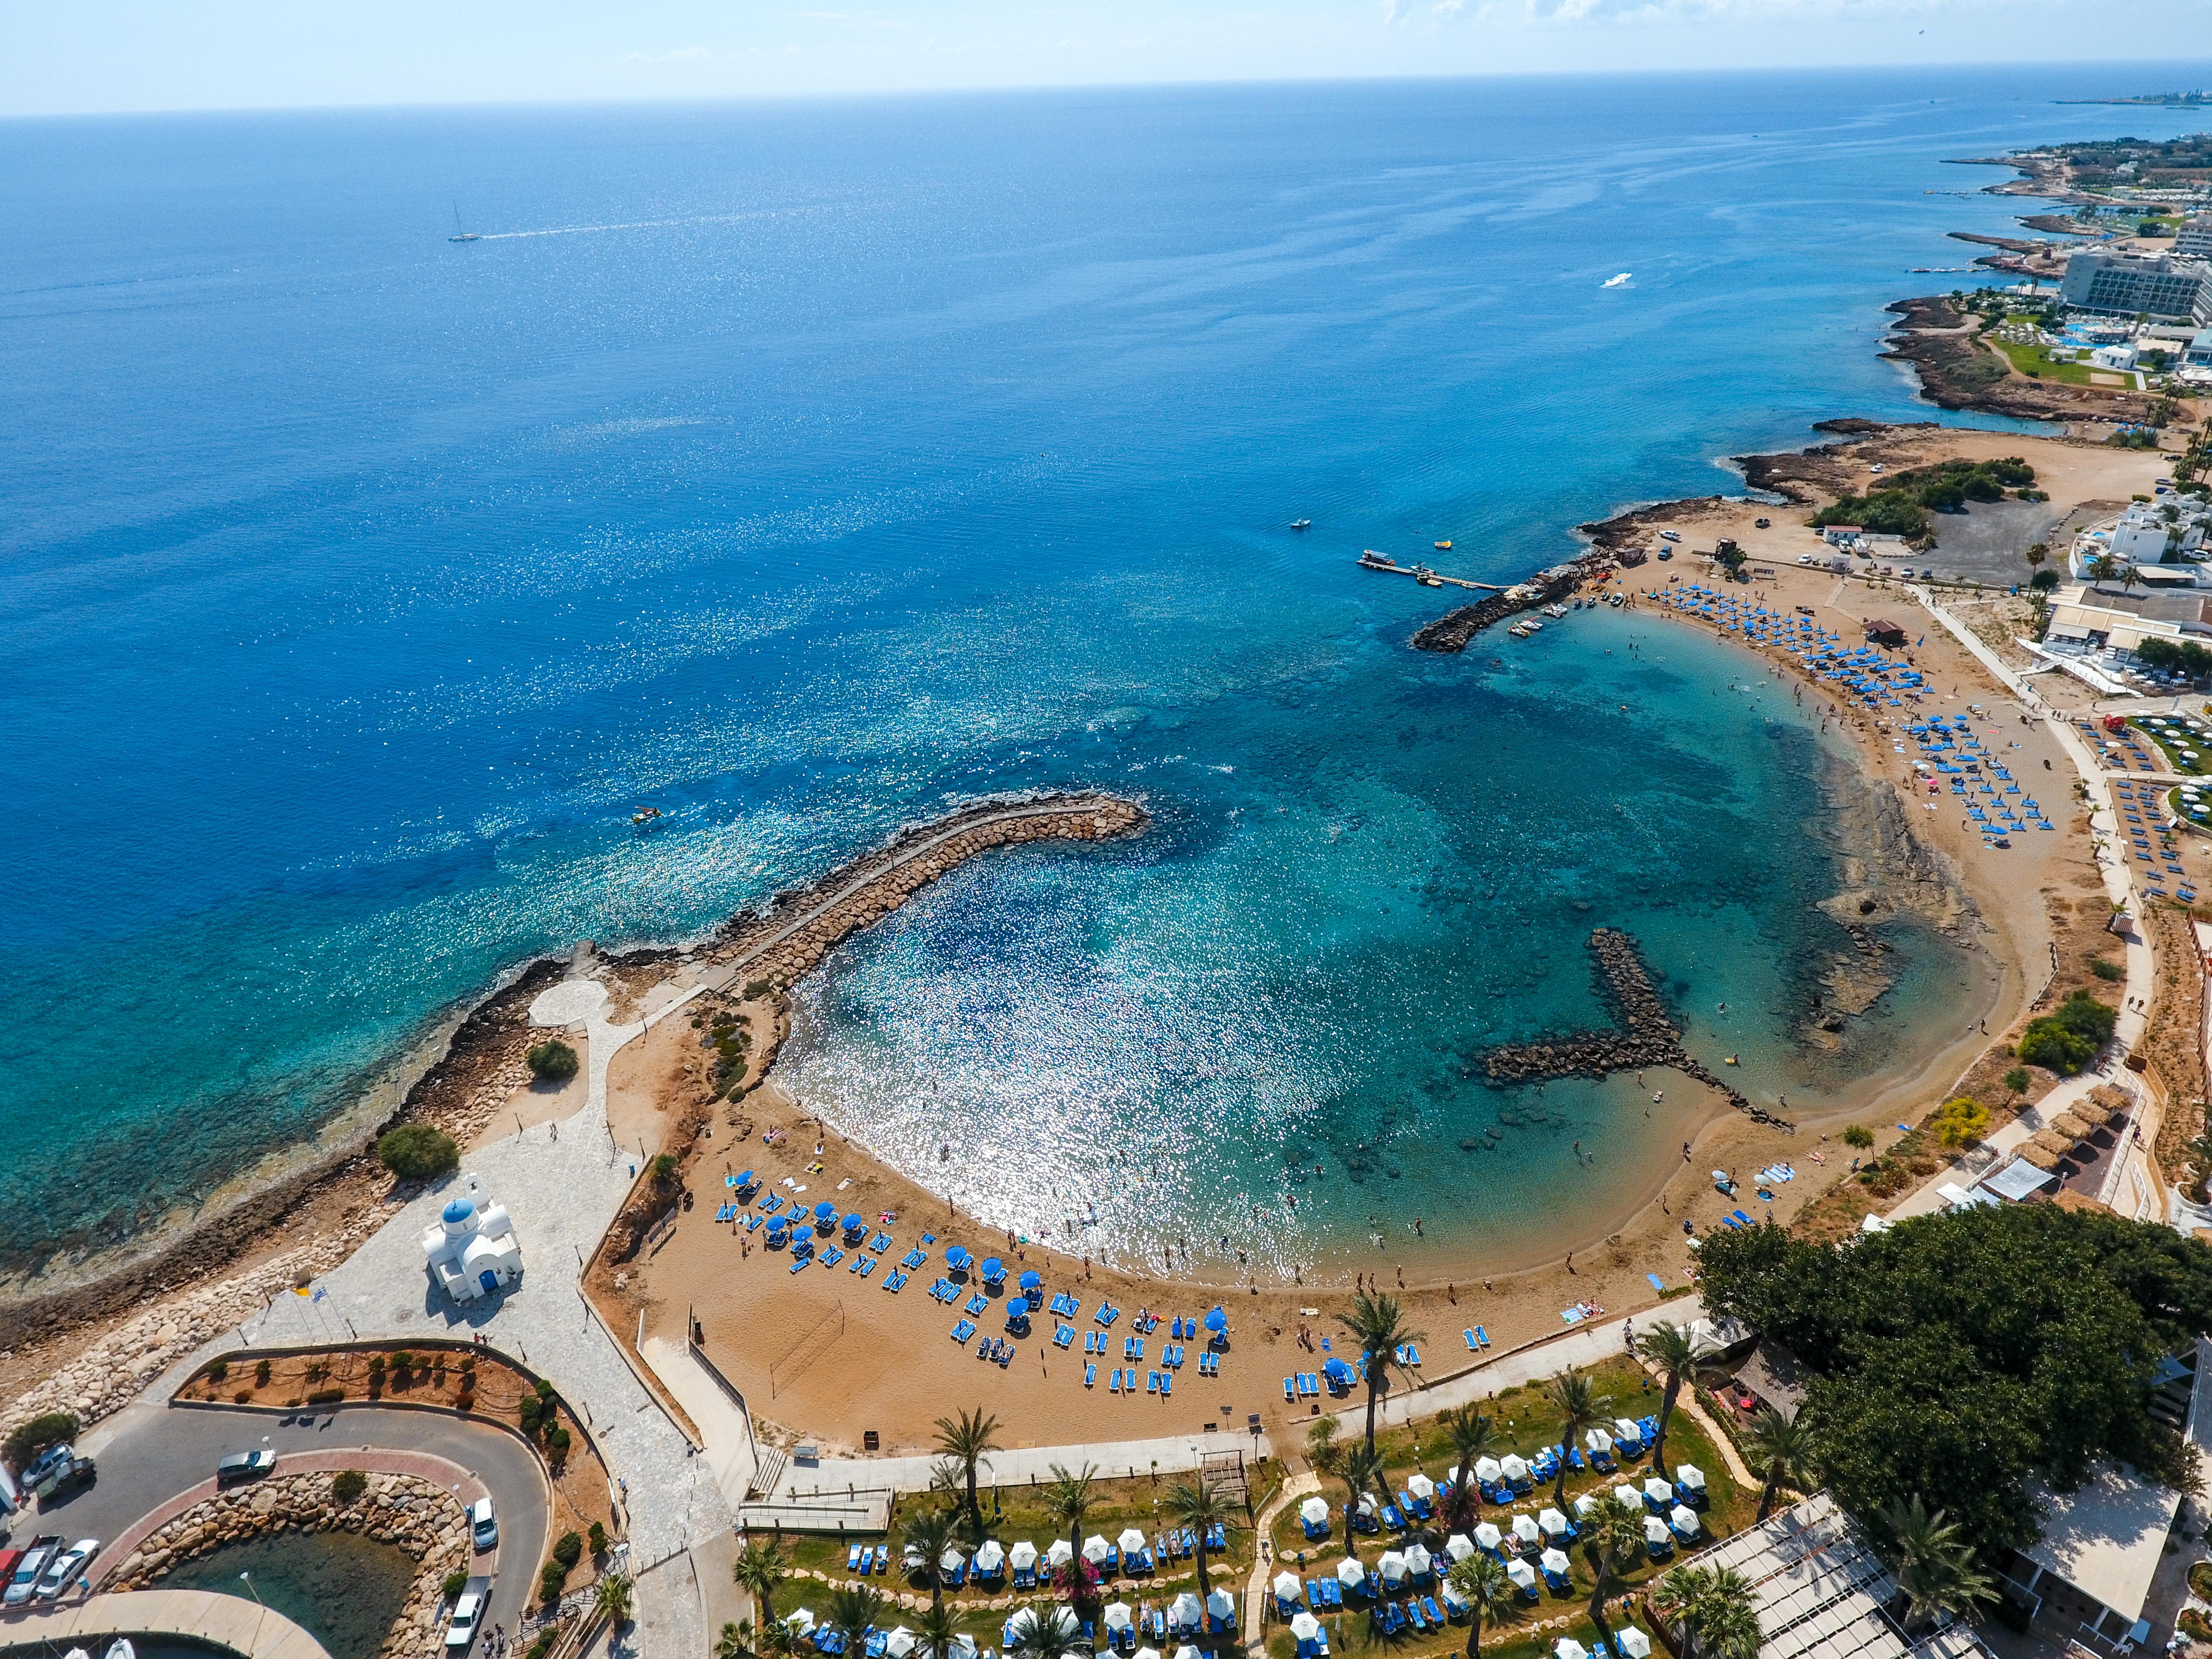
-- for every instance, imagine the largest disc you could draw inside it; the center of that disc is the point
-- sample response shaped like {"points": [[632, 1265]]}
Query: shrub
{"points": [[347, 1486], [26, 1440], [2017, 1079], [402, 1362], [1961, 1122], [544, 1389], [416, 1151], [261, 1373], [598, 1538], [2106, 970], [468, 1363], [2069, 1038], [554, 1061], [325, 1397], [376, 1364], [663, 1167], [217, 1371], [455, 1584], [556, 1443], [569, 1550], [551, 1581], [241, 1397], [1858, 1135], [541, 1647], [528, 1412]]}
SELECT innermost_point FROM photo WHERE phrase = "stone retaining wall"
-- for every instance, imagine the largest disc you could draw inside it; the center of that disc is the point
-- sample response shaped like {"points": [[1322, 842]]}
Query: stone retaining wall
{"points": [[417, 1515]]}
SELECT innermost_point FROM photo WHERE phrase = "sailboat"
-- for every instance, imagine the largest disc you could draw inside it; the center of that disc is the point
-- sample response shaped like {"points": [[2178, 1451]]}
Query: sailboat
{"points": [[460, 232]]}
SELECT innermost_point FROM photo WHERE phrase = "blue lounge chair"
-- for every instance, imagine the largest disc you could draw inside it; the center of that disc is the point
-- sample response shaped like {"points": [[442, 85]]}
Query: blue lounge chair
{"points": [[1290, 1389], [895, 1283], [1436, 1616], [1151, 1382], [1063, 1336], [853, 1558], [962, 1331], [1316, 1597], [1415, 1616], [978, 1303], [1167, 1384], [1090, 1372], [1482, 1336], [1393, 1617]]}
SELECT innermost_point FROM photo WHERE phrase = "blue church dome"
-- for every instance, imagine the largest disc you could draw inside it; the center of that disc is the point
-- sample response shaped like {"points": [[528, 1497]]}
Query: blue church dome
{"points": [[459, 1210]]}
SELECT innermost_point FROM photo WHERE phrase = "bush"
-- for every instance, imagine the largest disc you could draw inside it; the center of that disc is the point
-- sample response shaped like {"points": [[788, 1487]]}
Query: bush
{"points": [[325, 1397], [455, 1584], [416, 1151], [2067, 1039], [544, 1390], [1961, 1122], [2017, 1079], [541, 1647], [557, 1443], [26, 1440], [552, 1062], [663, 1167], [598, 1540], [261, 1373], [347, 1486], [217, 1370], [551, 1581], [2044, 581], [2107, 970], [402, 1362], [569, 1550], [528, 1412], [1858, 1135]]}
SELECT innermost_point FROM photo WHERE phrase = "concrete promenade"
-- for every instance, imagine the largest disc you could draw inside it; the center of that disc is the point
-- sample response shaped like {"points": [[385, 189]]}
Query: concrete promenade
{"points": [[229, 1621]]}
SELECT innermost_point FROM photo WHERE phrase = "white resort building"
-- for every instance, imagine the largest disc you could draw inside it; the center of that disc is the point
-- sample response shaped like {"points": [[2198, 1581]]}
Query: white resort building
{"points": [[472, 1250]]}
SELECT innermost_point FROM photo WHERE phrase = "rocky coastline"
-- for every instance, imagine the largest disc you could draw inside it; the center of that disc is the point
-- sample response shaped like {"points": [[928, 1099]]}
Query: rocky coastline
{"points": [[1452, 631]]}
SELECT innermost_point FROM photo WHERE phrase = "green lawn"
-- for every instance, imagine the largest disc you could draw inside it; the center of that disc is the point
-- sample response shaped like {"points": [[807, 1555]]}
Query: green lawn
{"points": [[2171, 750], [2037, 361]]}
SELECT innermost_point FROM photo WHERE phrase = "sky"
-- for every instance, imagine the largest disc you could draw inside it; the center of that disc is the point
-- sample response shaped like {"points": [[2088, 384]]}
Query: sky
{"points": [[108, 55]]}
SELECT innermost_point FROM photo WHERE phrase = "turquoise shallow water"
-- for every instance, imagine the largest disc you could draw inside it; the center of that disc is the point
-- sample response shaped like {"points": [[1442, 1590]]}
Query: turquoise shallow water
{"points": [[802, 468]]}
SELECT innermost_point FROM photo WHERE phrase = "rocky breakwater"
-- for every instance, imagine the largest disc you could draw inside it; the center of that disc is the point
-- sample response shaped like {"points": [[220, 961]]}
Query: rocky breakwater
{"points": [[788, 939], [1451, 631], [1645, 1036], [416, 1515]]}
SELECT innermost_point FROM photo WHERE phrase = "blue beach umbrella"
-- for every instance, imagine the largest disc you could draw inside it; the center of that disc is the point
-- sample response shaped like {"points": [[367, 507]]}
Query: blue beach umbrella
{"points": [[1338, 1373], [1217, 1321], [853, 1223], [825, 1212], [957, 1258], [1032, 1281], [993, 1268], [746, 1180]]}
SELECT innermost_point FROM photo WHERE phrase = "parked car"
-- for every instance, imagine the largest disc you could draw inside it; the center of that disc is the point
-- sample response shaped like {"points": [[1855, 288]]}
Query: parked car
{"points": [[244, 1466], [28, 1566], [483, 1525], [9, 1560], [58, 1470], [62, 1570], [468, 1613]]}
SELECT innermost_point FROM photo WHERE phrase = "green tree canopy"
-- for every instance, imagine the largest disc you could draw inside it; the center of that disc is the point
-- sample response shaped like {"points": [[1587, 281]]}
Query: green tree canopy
{"points": [[1955, 1358]]}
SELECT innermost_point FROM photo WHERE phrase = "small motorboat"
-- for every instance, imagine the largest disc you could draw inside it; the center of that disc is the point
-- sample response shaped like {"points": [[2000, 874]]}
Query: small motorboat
{"points": [[1731, 1059], [1426, 580], [1301, 524], [1555, 611], [648, 815], [1443, 547], [1533, 626]]}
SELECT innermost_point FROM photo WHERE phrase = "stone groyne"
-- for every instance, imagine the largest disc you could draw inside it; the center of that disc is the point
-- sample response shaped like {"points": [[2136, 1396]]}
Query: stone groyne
{"points": [[1451, 631], [1645, 1034]]}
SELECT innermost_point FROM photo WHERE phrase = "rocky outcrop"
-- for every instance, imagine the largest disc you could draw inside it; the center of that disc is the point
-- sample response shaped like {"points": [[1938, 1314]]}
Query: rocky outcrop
{"points": [[1646, 1036], [1451, 631], [414, 1515]]}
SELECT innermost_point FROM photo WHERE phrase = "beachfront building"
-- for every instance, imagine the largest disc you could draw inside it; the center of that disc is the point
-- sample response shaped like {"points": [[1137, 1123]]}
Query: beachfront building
{"points": [[1821, 1592], [2194, 241], [2169, 533], [2102, 616], [2160, 286], [471, 1249]]}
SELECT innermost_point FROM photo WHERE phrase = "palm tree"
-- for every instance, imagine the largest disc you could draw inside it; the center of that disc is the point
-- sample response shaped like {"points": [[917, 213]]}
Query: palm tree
{"points": [[1040, 1629], [1612, 1537], [1199, 1504], [1481, 1582], [1068, 1501], [1935, 1569], [736, 1641], [1576, 1400], [1471, 1435], [929, 1534], [614, 1599], [1710, 1608], [1362, 1470], [965, 1439], [937, 1627], [1378, 1325], [762, 1569], [1779, 1449], [1677, 1351], [853, 1611]]}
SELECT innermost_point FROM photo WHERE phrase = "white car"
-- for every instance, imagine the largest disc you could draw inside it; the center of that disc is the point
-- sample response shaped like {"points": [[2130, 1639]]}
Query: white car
{"points": [[467, 1612], [66, 1566], [483, 1525]]}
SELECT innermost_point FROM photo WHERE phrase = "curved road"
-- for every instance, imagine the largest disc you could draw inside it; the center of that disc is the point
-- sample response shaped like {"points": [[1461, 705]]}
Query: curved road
{"points": [[147, 1455]]}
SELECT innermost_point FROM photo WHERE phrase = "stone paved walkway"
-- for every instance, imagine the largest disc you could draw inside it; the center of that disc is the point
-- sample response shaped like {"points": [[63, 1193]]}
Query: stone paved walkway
{"points": [[562, 1184]]}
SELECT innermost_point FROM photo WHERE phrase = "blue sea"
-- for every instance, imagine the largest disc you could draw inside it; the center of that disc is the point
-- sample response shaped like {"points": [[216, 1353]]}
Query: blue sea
{"points": [[801, 468]]}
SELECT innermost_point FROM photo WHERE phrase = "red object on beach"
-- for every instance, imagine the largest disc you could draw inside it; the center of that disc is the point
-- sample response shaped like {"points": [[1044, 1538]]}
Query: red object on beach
{"points": [[2116, 722]]}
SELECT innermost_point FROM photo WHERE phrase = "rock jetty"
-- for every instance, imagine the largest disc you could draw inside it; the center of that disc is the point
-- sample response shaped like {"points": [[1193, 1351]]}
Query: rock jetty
{"points": [[1451, 631], [1645, 1036]]}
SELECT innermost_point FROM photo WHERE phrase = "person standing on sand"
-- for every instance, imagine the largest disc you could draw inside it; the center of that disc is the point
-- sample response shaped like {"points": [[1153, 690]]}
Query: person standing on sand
{"points": [[1571, 1263]]}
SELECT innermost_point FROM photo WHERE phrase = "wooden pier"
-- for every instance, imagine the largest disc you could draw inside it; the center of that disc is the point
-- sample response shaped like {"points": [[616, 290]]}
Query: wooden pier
{"points": [[1645, 1035], [1371, 560]]}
